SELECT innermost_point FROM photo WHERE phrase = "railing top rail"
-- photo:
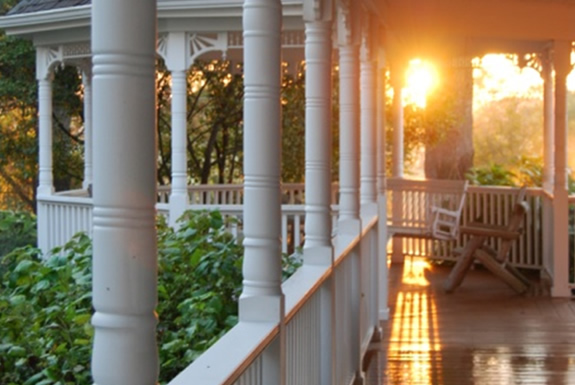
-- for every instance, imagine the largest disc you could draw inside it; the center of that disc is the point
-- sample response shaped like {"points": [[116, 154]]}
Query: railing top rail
{"points": [[66, 199], [240, 346], [431, 185], [531, 191]]}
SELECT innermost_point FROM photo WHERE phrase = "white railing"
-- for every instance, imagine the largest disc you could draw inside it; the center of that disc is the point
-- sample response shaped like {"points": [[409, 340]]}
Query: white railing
{"points": [[491, 205], [233, 194], [60, 217], [330, 317]]}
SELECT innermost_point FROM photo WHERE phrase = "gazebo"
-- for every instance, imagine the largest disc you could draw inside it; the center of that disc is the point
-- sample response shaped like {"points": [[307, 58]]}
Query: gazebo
{"points": [[315, 328]]}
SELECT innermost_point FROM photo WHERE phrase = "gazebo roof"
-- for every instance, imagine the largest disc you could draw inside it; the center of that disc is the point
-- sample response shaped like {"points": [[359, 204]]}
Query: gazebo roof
{"points": [[29, 6]]}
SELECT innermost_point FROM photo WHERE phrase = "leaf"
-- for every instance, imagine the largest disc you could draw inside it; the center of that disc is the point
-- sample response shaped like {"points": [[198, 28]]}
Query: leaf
{"points": [[23, 266], [81, 319], [18, 299]]}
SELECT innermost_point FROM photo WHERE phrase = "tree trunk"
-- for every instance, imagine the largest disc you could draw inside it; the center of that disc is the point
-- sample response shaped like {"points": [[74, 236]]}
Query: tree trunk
{"points": [[449, 148]]}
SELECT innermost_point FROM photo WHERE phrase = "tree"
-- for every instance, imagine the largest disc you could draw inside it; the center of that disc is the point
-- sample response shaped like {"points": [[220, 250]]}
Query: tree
{"points": [[449, 124], [18, 123]]}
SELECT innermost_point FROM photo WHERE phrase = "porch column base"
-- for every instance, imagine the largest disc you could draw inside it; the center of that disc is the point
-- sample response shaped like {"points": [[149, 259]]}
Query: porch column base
{"points": [[178, 204], [318, 256]]}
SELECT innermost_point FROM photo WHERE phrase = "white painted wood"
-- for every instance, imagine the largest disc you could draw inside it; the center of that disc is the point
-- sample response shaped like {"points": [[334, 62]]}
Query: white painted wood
{"points": [[88, 142], [397, 156], [125, 251], [179, 194], [368, 84], [242, 347], [562, 64], [383, 279], [318, 227], [348, 119], [548, 120], [262, 299], [46, 183]]}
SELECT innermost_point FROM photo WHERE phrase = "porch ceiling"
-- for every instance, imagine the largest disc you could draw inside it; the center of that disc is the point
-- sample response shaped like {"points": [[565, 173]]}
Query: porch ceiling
{"points": [[438, 27]]}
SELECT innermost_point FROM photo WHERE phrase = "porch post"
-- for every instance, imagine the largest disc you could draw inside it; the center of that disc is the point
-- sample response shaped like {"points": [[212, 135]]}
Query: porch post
{"points": [[397, 159], [87, 83], [368, 123], [318, 223], [177, 63], [44, 76], [548, 120], [262, 299], [45, 178], [548, 161], [381, 188], [318, 52], [125, 251], [562, 62], [348, 121], [397, 154]]}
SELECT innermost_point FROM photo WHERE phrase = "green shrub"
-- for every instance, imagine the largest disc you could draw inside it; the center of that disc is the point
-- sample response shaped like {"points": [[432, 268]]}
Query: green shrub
{"points": [[45, 309], [46, 305], [17, 229]]}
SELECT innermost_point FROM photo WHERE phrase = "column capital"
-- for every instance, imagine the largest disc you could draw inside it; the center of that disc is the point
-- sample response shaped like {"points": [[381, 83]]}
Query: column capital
{"points": [[46, 59], [348, 23], [318, 10], [561, 56]]}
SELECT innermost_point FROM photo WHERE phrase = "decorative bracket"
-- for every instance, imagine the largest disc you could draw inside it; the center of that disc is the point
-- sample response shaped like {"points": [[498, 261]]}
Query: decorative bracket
{"points": [[180, 49], [46, 59]]}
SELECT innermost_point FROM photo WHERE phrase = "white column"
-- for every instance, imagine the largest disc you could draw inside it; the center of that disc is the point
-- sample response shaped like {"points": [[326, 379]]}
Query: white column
{"points": [[381, 188], [318, 248], [262, 298], [88, 171], [125, 251], [348, 138], [368, 186], [179, 192], [177, 61], [397, 159], [548, 163], [548, 121], [397, 155], [562, 61], [46, 182], [318, 141]]}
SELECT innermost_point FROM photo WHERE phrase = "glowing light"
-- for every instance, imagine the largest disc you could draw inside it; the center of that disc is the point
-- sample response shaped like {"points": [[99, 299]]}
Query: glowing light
{"points": [[414, 335], [421, 80]]}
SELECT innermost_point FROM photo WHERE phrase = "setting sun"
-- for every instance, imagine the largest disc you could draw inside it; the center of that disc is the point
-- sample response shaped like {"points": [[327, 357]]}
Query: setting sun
{"points": [[421, 79]]}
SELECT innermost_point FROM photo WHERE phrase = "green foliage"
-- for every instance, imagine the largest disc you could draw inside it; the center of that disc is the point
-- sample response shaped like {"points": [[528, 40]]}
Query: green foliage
{"points": [[17, 229], [45, 310], [293, 126], [494, 175], [524, 171], [199, 285], [46, 305], [508, 127]]}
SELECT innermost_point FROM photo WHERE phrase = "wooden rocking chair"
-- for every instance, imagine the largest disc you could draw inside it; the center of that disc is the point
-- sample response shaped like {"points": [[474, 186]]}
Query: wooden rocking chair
{"points": [[494, 260]]}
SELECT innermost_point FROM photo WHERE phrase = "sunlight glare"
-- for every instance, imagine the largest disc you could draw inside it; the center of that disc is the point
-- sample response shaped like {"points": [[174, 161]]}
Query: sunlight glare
{"points": [[421, 80]]}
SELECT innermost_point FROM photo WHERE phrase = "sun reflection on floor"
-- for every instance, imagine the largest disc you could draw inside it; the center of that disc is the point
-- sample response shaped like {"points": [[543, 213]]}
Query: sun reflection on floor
{"points": [[414, 337]]}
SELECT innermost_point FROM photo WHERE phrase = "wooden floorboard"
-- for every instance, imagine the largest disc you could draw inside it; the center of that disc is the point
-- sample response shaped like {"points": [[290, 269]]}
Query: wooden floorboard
{"points": [[482, 334]]}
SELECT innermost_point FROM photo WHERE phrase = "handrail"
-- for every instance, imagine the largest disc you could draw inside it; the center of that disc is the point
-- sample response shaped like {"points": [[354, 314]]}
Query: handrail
{"points": [[301, 290]]}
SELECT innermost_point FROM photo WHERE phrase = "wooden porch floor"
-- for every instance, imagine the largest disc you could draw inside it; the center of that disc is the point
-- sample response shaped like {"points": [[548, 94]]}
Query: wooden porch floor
{"points": [[483, 334]]}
